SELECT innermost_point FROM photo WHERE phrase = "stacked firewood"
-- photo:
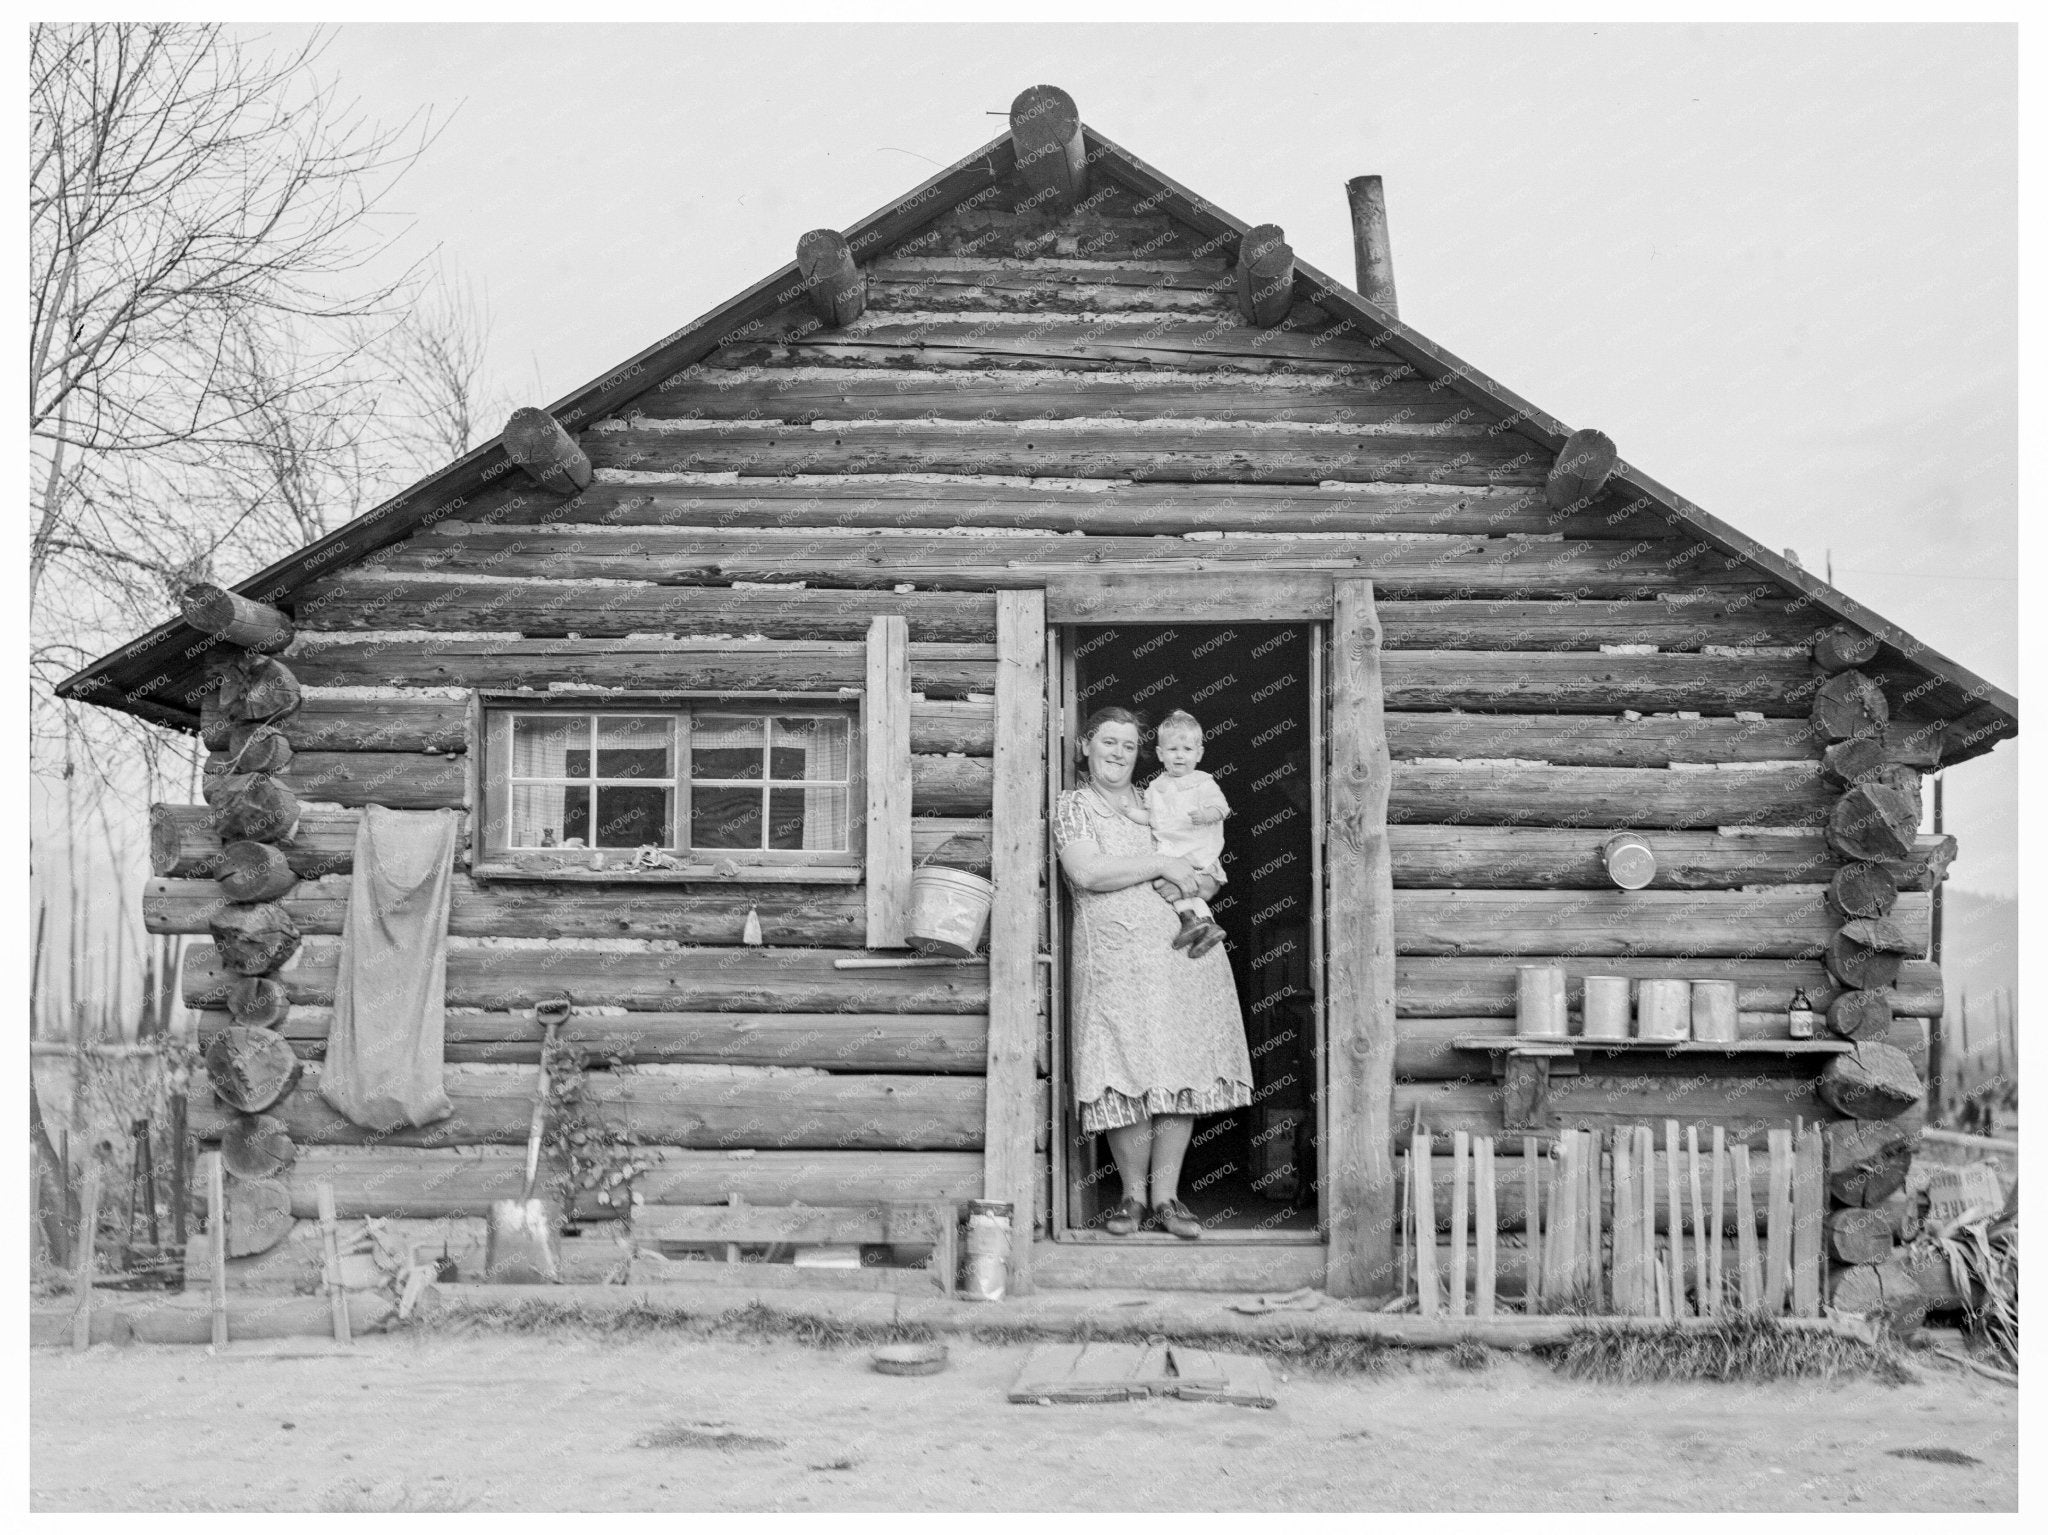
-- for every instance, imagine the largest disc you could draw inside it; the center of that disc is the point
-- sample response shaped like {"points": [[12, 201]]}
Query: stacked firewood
{"points": [[1874, 826], [251, 1066]]}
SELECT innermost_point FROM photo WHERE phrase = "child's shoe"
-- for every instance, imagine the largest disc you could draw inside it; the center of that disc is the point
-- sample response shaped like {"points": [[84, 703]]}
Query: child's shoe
{"points": [[1206, 939], [1190, 929]]}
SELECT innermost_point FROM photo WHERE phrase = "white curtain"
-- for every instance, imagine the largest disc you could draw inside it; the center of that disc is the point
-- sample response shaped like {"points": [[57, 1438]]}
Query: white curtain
{"points": [[827, 755], [540, 749]]}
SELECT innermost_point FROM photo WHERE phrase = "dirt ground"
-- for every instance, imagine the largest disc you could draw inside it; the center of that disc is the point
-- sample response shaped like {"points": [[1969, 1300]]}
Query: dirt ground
{"points": [[663, 1422]]}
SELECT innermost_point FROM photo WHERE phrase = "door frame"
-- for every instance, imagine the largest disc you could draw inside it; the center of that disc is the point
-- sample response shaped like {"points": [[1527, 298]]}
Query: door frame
{"points": [[1356, 970]]}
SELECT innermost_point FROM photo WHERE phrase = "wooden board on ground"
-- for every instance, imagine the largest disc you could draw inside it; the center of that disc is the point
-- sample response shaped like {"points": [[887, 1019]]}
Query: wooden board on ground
{"points": [[1121, 1372]]}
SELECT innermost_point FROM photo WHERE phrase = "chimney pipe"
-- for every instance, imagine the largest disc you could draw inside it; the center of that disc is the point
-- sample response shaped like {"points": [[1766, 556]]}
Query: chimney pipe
{"points": [[1369, 242]]}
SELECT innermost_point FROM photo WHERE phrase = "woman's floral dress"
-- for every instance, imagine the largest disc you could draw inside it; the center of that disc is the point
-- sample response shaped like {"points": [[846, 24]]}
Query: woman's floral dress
{"points": [[1154, 1031]]}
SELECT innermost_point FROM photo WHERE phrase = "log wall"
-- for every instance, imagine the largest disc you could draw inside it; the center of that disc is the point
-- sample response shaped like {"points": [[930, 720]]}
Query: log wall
{"points": [[1033, 394]]}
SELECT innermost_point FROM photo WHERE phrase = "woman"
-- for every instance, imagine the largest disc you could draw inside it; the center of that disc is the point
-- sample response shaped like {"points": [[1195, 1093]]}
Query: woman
{"points": [[1158, 1037]]}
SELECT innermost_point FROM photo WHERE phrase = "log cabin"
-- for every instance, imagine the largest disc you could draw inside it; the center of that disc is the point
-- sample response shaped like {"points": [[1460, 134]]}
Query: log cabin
{"points": [[1051, 431]]}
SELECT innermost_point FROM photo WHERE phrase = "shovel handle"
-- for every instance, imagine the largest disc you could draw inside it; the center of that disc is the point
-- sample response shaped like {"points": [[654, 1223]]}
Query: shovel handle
{"points": [[540, 1115]]}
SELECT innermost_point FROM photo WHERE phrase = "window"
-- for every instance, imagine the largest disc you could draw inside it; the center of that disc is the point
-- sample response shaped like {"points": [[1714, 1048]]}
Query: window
{"points": [[708, 787]]}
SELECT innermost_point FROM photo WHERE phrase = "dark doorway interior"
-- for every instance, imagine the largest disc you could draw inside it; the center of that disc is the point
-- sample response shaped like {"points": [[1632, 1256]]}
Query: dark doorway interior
{"points": [[1249, 686]]}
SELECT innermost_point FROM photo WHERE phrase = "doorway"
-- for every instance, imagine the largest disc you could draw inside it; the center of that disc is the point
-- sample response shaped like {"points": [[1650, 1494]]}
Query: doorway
{"points": [[1256, 690]]}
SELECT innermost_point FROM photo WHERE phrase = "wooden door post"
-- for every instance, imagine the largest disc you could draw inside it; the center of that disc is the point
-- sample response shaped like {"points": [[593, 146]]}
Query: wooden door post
{"points": [[1016, 860], [1358, 1164], [885, 720]]}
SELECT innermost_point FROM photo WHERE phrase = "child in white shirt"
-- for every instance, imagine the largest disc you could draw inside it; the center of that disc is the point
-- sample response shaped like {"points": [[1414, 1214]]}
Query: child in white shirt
{"points": [[1188, 810]]}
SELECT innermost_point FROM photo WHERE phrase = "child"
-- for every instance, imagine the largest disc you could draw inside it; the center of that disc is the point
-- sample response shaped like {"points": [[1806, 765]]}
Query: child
{"points": [[1187, 810]]}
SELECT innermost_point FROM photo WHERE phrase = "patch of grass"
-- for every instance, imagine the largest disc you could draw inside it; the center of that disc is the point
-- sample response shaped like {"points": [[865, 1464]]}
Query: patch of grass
{"points": [[702, 1436], [752, 1323], [1469, 1354], [1744, 1348]]}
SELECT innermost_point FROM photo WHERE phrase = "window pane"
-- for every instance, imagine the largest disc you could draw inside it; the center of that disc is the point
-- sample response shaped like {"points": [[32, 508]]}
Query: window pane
{"points": [[813, 819], [549, 815], [726, 746], [633, 748], [725, 818], [811, 749], [542, 746], [632, 817]]}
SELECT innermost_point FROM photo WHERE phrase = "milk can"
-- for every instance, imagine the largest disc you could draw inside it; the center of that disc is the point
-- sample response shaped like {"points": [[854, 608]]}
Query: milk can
{"points": [[988, 1249]]}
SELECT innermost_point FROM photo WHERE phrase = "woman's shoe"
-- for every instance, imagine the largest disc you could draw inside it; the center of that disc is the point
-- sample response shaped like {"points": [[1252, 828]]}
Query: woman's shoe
{"points": [[1124, 1220], [1177, 1218]]}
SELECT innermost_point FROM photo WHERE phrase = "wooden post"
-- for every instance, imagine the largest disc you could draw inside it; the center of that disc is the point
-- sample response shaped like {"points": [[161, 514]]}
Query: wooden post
{"points": [[1016, 863], [1623, 1224], [1488, 1222], [1937, 1027], [330, 1247], [537, 443], [1532, 1227], [1646, 1214], [217, 1243], [885, 724], [1370, 243], [1808, 1211], [1777, 1224], [1460, 1213], [1748, 1281], [1265, 276], [1596, 1290], [1700, 1261], [1045, 129], [1358, 1169], [1675, 1223], [234, 618], [88, 1226], [1423, 1199], [1716, 1278], [832, 278]]}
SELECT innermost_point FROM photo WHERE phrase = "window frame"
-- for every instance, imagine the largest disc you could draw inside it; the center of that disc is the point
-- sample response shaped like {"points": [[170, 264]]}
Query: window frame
{"points": [[491, 789]]}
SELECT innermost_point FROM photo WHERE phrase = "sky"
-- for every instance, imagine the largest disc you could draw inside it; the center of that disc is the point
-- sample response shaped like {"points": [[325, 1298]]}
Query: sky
{"points": [[1778, 265]]}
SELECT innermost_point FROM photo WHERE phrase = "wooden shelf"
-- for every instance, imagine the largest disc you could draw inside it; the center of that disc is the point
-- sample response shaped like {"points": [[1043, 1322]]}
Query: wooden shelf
{"points": [[1574, 1044], [759, 874]]}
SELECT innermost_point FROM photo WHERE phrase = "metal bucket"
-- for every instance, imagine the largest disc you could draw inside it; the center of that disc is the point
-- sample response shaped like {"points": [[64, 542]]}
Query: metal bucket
{"points": [[949, 910], [988, 1249]]}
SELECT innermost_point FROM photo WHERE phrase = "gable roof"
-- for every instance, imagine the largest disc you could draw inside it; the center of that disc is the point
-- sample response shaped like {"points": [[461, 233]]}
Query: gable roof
{"points": [[160, 676]]}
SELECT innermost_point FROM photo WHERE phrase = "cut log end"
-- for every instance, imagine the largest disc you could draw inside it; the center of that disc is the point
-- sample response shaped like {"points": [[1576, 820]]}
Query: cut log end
{"points": [[251, 1070], [1863, 890], [254, 872], [1874, 1081], [1842, 649], [254, 940], [1874, 823], [257, 1146], [833, 280], [1584, 464], [1861, 1014], [1848, 705], [540, 445], [237, 619], [1045, 129], [1265, 276], [1859, 1235]]}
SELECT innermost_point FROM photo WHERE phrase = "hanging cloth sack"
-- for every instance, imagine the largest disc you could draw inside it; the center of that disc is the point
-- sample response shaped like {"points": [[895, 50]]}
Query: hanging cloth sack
{"points": [[383, 1065]]}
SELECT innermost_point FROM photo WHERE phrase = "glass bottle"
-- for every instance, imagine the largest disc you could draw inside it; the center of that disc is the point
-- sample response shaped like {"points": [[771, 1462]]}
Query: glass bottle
{"points": [[1800, 1017]]}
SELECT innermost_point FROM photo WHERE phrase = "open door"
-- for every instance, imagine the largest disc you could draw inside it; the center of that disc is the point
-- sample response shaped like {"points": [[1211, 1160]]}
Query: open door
{"points": [[1255, 686]]}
